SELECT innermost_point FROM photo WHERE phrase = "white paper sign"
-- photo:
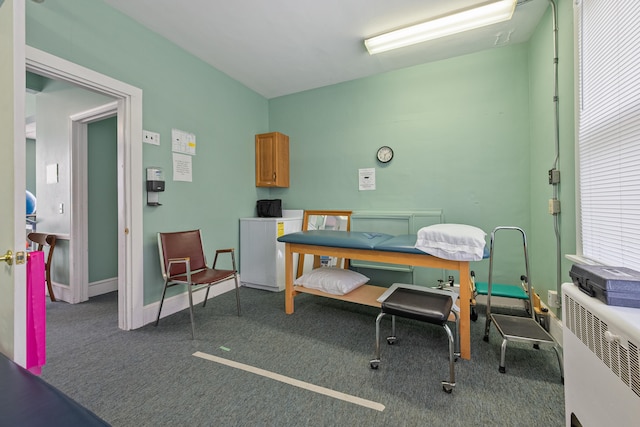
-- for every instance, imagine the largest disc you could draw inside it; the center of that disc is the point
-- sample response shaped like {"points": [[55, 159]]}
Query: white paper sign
{"points": [[182, 167], [367, 179], [52, 173], [183, 142]]}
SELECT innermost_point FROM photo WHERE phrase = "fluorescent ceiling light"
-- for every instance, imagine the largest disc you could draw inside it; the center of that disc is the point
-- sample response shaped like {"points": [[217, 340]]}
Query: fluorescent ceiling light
{"points": [[486, 14]]}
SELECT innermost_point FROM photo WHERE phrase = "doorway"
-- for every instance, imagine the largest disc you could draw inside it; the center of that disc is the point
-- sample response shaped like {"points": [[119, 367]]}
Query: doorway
{"points": [[64, 175], [129, 177], [94, 195], [102, 186]]}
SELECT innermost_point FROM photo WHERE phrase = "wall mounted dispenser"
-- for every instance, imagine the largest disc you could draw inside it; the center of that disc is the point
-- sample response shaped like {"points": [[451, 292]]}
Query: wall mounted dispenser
{"points": [[155, 184]]}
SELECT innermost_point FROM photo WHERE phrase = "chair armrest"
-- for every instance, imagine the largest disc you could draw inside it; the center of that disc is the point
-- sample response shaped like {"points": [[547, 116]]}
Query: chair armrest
{"points": [[230, 251], [184, 260], [222, 251], [179, 260]]}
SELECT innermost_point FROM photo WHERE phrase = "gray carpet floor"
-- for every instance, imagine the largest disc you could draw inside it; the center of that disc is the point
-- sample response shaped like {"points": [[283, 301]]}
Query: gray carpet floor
{"points": [[149, 376]]}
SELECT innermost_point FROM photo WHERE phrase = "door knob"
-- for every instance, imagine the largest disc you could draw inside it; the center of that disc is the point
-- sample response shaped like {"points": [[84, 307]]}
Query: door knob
{"points": [[8, 257]]}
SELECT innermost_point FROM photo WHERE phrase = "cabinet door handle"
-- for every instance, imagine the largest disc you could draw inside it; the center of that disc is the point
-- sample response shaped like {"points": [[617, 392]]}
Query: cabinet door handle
{"points": [[274, 176]]}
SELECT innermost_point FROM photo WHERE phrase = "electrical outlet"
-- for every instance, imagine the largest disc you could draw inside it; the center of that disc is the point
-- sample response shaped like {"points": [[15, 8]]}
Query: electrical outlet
{"points": [[554, 206], [150, 137], [552, 299], [554, 176]]}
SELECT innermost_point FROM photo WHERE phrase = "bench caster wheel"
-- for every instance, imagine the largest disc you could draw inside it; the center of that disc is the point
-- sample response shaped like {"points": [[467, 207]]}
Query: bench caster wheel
{"points": [[502, 369], [447, 387], [374, 363], [474, 315], [391, 340]]}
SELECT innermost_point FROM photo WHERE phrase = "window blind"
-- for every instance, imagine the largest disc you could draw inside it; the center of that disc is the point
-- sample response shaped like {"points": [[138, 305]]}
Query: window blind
{"points": [[609, 130]]}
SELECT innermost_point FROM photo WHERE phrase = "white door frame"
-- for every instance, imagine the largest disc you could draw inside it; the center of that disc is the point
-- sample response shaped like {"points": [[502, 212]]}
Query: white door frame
{"points": [[79, 276], [130, 176], [13, 320]]}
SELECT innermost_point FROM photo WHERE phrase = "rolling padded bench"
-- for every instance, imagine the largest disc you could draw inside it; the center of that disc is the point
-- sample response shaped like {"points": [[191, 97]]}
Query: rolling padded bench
{"points": [[430, 306], [28, 401]]}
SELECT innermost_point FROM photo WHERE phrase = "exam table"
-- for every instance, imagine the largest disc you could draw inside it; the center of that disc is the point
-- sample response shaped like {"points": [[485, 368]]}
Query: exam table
{"points": [[28, 401], [377, 247]]}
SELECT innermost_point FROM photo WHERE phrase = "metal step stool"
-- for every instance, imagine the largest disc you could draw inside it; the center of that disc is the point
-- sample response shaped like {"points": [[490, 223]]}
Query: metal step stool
{"points": [[516, 328]]}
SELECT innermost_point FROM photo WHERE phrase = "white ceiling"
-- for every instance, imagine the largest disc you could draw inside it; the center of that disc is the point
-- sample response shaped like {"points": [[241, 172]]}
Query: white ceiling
{"points": [[279, 47]]}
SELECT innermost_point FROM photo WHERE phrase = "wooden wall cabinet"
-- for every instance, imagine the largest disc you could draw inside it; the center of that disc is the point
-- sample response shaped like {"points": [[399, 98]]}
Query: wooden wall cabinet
{"points": [[272, 160]]}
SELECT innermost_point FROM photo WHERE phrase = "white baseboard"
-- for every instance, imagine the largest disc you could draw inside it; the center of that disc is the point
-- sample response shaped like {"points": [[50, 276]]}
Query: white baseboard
{"points": [[63, 292], [60, 291], [555, 326], [103, 287], [179, 302]]}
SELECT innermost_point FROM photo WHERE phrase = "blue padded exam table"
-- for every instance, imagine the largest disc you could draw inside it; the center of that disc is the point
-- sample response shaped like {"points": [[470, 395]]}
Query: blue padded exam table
{"points": [[28, 401], [376, 247]]}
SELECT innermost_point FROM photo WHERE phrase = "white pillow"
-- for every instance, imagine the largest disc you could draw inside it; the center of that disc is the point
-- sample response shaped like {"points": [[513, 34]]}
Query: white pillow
{"points": [[332, 280], [456, 242]]}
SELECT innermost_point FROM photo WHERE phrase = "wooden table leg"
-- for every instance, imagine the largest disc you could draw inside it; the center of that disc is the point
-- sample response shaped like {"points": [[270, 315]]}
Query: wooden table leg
{"points": [[465, 311], [288, 277]]}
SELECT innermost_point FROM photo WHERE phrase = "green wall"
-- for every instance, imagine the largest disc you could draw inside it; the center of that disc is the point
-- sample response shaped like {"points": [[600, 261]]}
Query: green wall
{"points": [[179, 91], [542, 149], [459, 130], [102, 199]]}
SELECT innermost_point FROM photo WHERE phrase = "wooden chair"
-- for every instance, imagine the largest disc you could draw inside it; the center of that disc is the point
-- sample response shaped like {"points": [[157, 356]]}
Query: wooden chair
{"points": [[308, 215], [183, 262], [42, 240]]}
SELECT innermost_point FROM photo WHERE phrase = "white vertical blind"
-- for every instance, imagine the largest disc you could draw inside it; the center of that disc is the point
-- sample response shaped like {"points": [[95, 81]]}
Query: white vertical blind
{"points": [[609, 130]]}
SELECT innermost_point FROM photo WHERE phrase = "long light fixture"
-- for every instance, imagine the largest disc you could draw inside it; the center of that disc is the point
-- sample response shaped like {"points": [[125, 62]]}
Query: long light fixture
{"points": [[487, 13]]}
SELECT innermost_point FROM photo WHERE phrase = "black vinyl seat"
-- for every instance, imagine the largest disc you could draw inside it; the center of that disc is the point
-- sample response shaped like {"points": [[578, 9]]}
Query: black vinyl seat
{"points": [[419, 305]]}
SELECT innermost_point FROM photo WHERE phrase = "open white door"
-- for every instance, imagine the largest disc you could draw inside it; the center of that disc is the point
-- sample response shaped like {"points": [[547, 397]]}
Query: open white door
{"points": [[13, 318]]}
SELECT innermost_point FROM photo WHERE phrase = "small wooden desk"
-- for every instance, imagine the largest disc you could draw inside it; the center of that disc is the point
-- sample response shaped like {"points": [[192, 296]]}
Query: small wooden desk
{"points": [[369, 294]]}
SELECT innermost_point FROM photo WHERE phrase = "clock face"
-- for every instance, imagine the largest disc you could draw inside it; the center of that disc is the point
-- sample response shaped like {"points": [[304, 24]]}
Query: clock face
{"points": [[385, 154]]}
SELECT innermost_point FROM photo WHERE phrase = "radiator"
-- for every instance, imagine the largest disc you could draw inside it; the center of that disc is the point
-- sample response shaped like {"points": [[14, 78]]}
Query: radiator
{"points": [[601, 367]]}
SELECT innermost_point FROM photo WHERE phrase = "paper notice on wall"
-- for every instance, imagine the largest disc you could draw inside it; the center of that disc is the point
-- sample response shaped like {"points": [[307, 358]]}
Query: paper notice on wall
{"points": [[183, 142], [52, 173], [182, 167], [367, 179]]}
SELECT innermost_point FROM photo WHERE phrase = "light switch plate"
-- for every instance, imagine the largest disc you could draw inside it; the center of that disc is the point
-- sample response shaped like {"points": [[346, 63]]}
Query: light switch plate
{"points": [[150, 137]]}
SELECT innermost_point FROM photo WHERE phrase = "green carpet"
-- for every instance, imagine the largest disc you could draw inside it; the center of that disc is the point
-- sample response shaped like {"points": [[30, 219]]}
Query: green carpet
{"points": [[149, 377]]}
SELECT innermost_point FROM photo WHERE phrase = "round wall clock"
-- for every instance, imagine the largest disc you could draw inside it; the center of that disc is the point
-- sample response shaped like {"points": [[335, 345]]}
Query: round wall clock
{"points": [[385, 154]]}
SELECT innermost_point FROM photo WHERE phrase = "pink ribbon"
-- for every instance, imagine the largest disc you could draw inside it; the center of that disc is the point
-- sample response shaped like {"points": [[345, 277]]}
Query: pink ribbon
{"points": [[36, 313]]}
